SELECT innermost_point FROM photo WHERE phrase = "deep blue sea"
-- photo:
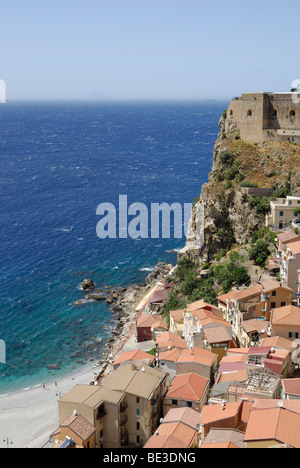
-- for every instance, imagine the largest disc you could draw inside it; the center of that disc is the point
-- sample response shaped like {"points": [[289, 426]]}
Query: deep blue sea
{"points": [[59, 161]]}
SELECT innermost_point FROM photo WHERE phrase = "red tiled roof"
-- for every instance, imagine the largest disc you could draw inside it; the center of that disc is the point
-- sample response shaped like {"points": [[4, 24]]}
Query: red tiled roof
{"points": [[288, 315], [147, 321], [136, 355], [214, 413], [187, 416], [190, 387], [277, 424], [291, 387]]}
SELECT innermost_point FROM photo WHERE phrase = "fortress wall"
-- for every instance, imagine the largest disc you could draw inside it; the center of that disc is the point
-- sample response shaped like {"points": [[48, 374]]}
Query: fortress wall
{"points": [[265, 117]]}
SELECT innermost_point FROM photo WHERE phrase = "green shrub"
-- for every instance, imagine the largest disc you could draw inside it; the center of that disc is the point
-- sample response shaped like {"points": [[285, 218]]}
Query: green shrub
{"points": [[227, 157], [248, 184], [260, 252]]}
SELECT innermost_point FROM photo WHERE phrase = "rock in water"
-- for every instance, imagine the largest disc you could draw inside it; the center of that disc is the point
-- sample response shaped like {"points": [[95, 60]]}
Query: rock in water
{"points": [[88, 285]]}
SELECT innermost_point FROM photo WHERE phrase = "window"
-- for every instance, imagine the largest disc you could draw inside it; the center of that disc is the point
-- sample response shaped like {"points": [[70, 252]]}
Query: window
{"points": [[281, 213], [174, 402], [189, 404], [138, 426], [101, 434], [282, 304], [137, 401], [294, 335], [138, 413], [273, 305], [274, 293], [231, 113], [138, 440], [249, 113], [292, 113]]}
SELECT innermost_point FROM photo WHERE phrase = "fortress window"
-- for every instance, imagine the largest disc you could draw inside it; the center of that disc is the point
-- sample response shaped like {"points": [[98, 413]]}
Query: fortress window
{"points": [[274, 113], [292, 113], [249, 113], [231, 113]]}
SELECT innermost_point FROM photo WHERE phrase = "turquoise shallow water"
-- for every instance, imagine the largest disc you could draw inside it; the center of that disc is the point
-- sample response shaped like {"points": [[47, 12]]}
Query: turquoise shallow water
{"points": [[58, 162]]}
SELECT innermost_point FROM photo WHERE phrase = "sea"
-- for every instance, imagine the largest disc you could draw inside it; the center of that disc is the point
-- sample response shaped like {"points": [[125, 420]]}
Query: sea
{"points": [[58, 162]]}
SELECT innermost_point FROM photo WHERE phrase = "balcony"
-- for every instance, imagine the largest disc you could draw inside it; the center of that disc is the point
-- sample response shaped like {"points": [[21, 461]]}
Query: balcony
{"points": [[101, 414], [124, 436], [123, 407], [124, 420]]}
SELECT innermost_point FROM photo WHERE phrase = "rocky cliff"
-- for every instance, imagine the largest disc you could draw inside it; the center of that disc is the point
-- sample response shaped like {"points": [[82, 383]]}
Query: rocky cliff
{"points": [[245, 177]]}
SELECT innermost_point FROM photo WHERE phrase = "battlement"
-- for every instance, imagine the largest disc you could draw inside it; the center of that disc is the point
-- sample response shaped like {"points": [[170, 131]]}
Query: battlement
{"points": [[265, 117]]}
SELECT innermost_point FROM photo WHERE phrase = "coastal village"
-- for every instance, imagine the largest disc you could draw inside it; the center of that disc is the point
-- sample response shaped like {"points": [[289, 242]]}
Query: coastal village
{"points": [[194, 369]]}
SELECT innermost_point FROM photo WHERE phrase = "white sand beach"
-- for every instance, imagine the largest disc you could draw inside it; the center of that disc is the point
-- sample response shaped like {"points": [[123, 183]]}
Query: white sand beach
{"points": [[28, 417]]}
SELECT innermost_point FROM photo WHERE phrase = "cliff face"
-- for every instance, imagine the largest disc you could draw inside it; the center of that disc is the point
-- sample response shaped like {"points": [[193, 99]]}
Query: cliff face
{"points": [[228, 213]]}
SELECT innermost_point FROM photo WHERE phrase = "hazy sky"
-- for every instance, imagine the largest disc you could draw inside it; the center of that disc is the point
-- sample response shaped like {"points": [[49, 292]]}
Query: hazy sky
{"points": [[147, 49]]}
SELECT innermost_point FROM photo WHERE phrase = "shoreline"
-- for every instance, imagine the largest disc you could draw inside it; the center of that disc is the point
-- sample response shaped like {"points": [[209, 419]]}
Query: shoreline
{"points": [[28, 416]]}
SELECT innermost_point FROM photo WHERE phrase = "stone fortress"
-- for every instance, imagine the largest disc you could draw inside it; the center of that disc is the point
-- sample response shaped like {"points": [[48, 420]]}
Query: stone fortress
{"points": [[264, 117]]}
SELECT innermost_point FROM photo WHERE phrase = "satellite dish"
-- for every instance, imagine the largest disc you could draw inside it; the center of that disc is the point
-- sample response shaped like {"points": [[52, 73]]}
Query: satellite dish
{"points": [[280, 404]]}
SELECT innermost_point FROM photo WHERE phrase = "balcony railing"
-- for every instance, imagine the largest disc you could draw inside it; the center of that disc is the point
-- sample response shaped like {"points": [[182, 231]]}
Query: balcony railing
{"points": [[124, 420], [123, 407]]}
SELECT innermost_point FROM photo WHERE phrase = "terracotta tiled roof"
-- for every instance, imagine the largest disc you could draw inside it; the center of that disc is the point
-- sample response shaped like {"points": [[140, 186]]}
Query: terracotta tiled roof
{"points": [[234, 351], [229, 296], [214, 413], [294, 247], [277, 341], [289, 315], [287, 236], [136, 355], [291, 387], [165, 340], [240, 376], [187, 416], [164, 442], [190, 387], [291, 405], [219, 445], [80, 426], [218, 335], [177, 315], [261, 326], [277, 424], [147, 321], [170, 355]]}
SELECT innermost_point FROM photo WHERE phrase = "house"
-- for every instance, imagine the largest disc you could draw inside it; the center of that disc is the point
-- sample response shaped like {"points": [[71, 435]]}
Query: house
{"points": [[224, 438], [144, 388], [184, 361], [179, 429], [273, 427], [159, 296], [285, 238], [196, 321], [290, 389], [103, 408], [289, 261], [225, 416], [283, 211], [166, 341], [136, 357], [75, 432], [253, 331], [277, 342], [218, 339], [188, 391], [285, 322], [254, 302], [147, 326], [177, 322]]}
